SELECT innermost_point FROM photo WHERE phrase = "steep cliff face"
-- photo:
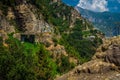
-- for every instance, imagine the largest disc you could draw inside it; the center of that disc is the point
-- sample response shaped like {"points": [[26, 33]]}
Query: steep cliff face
{"points": [[27, 18], [28, 22], [5, 24], [105, 64]]}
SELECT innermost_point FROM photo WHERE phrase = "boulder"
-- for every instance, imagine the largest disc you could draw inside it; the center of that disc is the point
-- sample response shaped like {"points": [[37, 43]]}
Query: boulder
{"points": [[113, 55], [95, 66]]}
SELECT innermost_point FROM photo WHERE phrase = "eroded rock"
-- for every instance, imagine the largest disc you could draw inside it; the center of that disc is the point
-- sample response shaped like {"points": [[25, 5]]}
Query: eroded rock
{"points": [[103, 66]]}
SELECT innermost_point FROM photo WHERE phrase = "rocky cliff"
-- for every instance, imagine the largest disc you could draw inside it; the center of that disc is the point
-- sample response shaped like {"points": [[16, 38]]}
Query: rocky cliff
{"points": [[44, 19], [25, 17], [105, 64], [70, 38]]}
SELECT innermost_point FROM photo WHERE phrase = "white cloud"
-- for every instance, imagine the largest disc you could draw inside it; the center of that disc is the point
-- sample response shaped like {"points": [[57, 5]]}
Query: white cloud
{"points": [[94, 5]]}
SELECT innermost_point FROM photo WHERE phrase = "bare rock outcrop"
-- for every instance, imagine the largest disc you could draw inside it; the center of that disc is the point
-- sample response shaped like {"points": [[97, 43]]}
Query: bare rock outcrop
{"points": [[105, 64], [28, 22], [95, 66], [113, 54], [5, 25], [109, 51]]}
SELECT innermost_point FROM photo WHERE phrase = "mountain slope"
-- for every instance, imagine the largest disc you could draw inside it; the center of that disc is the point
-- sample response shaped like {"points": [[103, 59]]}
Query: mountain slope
{"points": [[53, 34], [107, 22], [103, 66], [39, 17]]}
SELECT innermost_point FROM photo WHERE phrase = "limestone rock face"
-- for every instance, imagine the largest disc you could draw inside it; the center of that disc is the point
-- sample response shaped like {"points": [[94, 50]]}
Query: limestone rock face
{"points": [[28, 22], [105, 64], [95, 66], [10, 14], [5, 25], [56, 0]]}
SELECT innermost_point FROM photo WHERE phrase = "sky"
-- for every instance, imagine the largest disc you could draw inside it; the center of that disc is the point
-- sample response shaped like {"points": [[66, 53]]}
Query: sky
{"points": [[96, 5]]}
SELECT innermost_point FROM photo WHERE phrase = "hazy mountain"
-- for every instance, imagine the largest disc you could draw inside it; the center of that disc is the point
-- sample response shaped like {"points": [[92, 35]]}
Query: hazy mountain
{"points": [[107, 22]]}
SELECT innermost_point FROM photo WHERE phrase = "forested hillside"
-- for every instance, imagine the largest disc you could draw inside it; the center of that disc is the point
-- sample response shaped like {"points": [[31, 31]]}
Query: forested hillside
{"points": [[61, 39]]}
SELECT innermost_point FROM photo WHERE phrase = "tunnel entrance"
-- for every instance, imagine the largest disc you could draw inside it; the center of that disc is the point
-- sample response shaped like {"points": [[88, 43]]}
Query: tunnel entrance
{"points": [[27, 38], [0, 27]]}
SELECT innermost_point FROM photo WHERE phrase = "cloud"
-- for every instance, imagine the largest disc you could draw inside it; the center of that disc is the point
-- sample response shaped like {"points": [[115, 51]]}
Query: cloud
{"points": [[94, 5]]}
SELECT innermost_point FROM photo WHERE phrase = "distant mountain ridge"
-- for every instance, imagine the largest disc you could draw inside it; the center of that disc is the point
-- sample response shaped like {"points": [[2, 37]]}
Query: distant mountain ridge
{"points": [[107, 22]]}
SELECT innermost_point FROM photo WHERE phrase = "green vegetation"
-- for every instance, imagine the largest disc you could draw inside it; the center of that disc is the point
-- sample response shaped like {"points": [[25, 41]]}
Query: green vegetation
{"points": [[75, 42], [84, 46], [25, 61], [65, 65], [28, 61]]}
